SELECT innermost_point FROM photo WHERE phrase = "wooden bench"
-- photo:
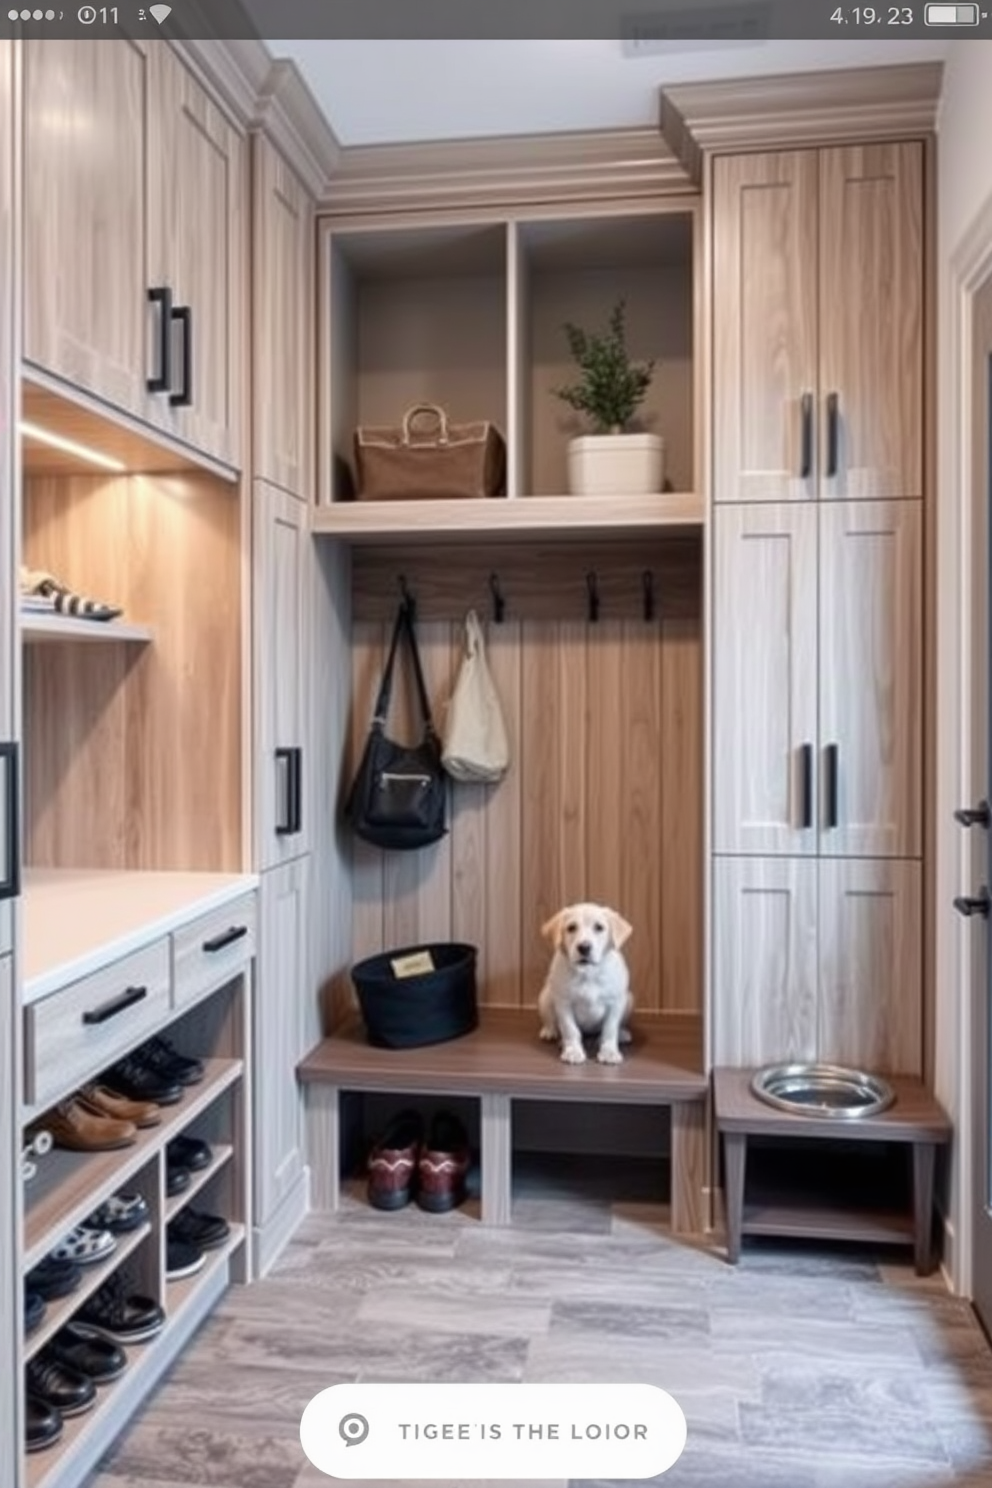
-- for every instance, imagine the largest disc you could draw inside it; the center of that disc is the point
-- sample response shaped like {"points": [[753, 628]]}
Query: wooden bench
{"points": [[504, 1060]]}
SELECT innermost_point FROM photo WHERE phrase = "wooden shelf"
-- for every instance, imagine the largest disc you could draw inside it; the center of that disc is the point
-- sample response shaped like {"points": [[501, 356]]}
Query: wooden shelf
{"points": [[40, 627], [832, 1221], [58, 1313], [563, 517], [222, 1154]]}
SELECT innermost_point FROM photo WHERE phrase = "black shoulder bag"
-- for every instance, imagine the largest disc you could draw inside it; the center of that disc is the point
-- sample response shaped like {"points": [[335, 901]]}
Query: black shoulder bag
{"points": [[399, 794]]}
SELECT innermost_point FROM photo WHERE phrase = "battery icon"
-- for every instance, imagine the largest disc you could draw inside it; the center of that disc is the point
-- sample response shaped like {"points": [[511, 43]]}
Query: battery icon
{"points": [[951, 15]]}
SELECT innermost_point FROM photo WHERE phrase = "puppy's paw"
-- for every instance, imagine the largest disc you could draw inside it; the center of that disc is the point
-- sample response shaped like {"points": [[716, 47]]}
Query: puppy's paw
{"points": [[609, 1055], [573, 1054], [548, 1034]]}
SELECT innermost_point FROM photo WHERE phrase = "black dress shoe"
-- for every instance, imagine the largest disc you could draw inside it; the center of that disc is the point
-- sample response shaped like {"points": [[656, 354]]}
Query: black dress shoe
{"points": [[52, 1279], [165, 1061], [116, 1313], [43, 1424], [57, 1385], [177, 1178], [34, 1309], [190, 1152], [202, 1230], [97, 1357], [138, 1081]]}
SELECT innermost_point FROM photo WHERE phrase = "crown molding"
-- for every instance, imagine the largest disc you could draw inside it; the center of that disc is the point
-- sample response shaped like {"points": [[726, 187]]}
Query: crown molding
{"points": [[295, 123], [600, 166], [233, 71], [831, 107]]}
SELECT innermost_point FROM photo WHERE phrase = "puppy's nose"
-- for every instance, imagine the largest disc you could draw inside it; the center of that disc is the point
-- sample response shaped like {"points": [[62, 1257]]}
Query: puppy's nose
{"points": [[584, 948]]}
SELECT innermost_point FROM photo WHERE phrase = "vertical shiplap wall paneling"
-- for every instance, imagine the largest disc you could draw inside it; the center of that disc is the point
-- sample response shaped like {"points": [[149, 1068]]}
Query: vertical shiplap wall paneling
{"points": [[681, 833], [501, 808]]}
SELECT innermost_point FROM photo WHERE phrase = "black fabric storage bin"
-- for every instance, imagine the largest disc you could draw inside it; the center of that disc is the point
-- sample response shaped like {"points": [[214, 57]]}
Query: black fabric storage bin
{"points": [[430, 1007]]}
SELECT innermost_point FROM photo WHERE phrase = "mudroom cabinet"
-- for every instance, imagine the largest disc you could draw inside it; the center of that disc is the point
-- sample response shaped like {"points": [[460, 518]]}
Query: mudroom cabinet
{"points": [[134, 200]]}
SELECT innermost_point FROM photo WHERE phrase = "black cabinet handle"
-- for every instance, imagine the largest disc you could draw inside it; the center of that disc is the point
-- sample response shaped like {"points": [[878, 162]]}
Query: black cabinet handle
{"points": [[225, 938], [10, 884], [162, 380], [979, 905], [833, 435], [184, 315], [974, 816], [806, 458], [293, 820], [806, 778], [116, 1005], [832, 783]]}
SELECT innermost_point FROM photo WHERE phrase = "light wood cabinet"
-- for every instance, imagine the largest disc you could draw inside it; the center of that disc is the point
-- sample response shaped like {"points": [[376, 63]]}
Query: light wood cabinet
{"points": [[282, 988], [134, 183], [818, 959], [282, 323], [818, 323], [282, 561], [818, 675]]}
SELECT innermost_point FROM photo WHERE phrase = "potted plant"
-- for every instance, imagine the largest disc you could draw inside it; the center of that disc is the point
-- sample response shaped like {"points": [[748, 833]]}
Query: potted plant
{"points": [[612, 460]]}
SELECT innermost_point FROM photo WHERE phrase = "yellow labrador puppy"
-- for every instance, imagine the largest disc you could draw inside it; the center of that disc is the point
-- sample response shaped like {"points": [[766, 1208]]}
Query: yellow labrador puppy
{"points": [[588, 985]]}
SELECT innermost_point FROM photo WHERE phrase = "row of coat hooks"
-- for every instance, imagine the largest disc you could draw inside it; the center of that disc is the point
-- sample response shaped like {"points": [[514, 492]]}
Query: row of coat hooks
{"points": [[649, 603]]}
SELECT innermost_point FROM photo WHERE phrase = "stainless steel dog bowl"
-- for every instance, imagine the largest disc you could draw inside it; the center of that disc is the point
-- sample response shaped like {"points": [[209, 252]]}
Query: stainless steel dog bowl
{"points": [[822, 1090]]}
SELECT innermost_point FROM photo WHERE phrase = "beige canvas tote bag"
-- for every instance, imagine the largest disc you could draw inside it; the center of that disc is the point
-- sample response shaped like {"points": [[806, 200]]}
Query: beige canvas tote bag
{"points": [[476, 746]]}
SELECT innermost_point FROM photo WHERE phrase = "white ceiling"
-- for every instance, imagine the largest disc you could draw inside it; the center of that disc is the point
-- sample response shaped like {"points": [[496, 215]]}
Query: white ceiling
{"points": [[376, 92]]}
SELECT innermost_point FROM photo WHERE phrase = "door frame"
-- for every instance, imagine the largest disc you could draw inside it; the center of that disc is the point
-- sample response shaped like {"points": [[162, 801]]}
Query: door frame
{"points": [[970, 265]]}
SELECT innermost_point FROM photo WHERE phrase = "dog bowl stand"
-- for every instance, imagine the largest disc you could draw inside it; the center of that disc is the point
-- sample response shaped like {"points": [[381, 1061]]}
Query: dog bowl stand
{"points": [[915, 1118]]}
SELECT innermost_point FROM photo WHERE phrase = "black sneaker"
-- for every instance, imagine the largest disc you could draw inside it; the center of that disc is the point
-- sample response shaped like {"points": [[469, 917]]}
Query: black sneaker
{"points": [[177, 1178], [52, 1279], [168, 1064], [34, 1309], [114, 1312], [42, 1426], [194, 1228], [138, 1081], [96, 1357], [190, 1152], [65, 1389], [182, 1259]]}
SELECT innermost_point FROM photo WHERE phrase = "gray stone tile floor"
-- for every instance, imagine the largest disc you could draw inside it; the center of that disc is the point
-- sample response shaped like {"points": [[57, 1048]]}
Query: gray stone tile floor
{"points": [[801, 1367]]}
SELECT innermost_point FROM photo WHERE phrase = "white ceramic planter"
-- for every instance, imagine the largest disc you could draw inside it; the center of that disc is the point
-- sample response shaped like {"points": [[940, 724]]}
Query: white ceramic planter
{"points": [[616, 464]]}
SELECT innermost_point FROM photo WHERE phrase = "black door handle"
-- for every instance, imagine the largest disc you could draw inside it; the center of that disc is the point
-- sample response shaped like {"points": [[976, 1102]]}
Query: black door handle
{"points": [[974, 816], [833, 441], [978, 905], [832, 783], [806, 777], [292, 822], [162, 380], [184, 315], [806, 457], [10, 884]]}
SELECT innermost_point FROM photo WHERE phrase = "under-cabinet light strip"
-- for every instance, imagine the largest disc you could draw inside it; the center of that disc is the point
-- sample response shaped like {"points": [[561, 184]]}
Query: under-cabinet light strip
{"points": [[71, 447]]}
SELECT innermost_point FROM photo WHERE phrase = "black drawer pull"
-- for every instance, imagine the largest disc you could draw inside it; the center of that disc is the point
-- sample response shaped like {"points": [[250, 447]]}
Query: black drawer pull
{"points": [[10, 884], [806, 458], [116, 1005], [225, 938], [183, 314], [977, 904], [163, 377]]}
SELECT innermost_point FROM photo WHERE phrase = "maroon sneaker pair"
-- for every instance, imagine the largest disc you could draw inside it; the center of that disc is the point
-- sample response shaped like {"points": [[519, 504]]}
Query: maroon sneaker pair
{"points": [[405, 1164]]}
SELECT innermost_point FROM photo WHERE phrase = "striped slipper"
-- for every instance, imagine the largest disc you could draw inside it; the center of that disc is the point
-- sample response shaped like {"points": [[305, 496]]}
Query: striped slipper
{"points": [[65, 601]]}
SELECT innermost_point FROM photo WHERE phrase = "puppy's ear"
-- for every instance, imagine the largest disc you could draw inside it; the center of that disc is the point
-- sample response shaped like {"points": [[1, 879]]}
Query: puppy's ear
{"points": [[552, 929], [620, 931]]}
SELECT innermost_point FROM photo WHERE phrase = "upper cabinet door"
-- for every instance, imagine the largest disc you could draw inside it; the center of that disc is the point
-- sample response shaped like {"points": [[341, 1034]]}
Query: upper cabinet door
{"points": [[86, 124], [871, 679], [198, 247], [282, 321], [764, 679], [871, 320], [764, 326]]}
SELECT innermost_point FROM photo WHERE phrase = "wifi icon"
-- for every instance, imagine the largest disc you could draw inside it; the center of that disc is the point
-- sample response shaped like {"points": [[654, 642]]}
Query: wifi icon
{"points": [[160, 12]]}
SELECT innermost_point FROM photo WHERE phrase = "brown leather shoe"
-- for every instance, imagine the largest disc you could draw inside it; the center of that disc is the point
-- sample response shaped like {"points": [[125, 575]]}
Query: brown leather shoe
{"points": [[100, 1100], [74, 1127], [393, 1162], [443, 1165]]}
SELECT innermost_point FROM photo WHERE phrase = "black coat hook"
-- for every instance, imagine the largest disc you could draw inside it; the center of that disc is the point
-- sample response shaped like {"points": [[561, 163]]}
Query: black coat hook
{"points": [[406, 598], [499, 603], [647, 582], [592, 585]]}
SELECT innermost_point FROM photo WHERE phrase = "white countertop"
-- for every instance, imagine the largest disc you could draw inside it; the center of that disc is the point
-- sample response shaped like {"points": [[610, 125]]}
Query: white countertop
{"points": [[78, 920]]}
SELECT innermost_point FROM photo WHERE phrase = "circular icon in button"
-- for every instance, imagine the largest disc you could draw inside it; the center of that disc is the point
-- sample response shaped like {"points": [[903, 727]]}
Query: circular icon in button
{"points": [[86, 14], [354, 1428]]}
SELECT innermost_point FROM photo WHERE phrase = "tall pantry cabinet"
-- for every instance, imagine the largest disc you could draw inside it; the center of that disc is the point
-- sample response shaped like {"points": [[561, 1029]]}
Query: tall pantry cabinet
{"points": [[818, 527]]}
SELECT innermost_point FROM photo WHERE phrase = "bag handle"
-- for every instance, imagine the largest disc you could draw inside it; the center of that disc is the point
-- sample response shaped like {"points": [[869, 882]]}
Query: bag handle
{"points": [[402, 626], [438, 414]]}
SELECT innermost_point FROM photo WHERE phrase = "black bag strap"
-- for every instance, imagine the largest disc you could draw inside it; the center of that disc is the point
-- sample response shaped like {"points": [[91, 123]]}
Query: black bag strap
{"points": [[402, 626]]}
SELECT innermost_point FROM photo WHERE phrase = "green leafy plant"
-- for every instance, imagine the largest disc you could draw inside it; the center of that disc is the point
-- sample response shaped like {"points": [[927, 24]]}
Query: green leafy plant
{"points": [[611, 386]]}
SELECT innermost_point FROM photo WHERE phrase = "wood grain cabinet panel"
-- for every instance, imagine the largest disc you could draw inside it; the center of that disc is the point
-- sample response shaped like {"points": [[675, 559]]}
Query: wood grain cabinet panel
{"points": [[764, 679], [871, 678], [282, 323], [87, 106], [818, 324], [9, 848]]}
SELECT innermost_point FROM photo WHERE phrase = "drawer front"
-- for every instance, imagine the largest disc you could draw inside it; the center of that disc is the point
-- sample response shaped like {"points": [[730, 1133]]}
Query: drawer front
{"points": [[211, 950], [74, 1034]]}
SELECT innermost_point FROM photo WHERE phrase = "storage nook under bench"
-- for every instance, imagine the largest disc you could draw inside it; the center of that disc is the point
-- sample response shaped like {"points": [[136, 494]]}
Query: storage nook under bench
{"points": [[112, 959]]}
